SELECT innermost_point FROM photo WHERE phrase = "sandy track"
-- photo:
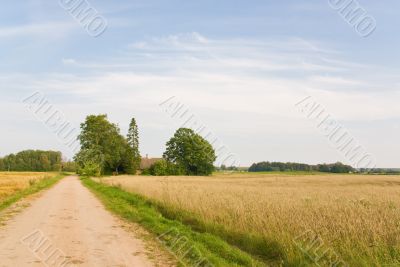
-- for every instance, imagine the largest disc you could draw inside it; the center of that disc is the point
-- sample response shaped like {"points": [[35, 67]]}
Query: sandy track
{"points": [[68, 226]]}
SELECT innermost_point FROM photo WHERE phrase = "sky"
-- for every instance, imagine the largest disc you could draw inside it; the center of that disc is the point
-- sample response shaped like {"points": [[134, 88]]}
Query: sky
{"points": [[239, 67]]}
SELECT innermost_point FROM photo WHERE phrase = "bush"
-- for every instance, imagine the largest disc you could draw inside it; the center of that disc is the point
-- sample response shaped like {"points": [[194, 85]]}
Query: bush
{"points": [[164, 168], [91, 170], [146, 172], [160, 168]]}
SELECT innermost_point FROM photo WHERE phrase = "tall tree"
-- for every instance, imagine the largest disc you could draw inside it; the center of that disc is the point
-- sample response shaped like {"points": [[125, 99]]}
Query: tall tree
{"points": [[191, 152], [102, 145], [133, 141]]}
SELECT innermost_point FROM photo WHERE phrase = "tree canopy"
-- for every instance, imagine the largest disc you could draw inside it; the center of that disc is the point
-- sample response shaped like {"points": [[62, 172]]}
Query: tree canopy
{"points": [[32, 160], [190, 152], [103, 148]]}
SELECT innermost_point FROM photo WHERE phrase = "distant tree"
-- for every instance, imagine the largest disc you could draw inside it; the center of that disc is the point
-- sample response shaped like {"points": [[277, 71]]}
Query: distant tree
{"points": [[68, 166], [32, 160], [191, 152], [233, 168], [45, 162], [280, 166], [10, 163], [133, 141]]}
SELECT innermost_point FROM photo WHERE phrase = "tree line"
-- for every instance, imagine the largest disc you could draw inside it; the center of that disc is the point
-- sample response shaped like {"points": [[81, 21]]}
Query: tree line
{"points": [[32, 160], [281, 167], [104, 150]]}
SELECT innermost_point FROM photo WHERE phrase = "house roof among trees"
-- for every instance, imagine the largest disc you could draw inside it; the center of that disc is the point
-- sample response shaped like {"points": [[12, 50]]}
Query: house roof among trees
{"points": [[147, 162]]}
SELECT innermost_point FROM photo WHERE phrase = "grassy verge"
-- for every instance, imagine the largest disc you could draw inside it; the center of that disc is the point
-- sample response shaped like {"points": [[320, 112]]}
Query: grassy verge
{"points": [[268, 251], [38, 186], [191, 247]]}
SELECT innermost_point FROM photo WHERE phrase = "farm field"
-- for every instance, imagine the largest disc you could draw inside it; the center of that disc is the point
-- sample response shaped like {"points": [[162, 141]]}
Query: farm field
{"points": [[13, 182], [277, 217]]}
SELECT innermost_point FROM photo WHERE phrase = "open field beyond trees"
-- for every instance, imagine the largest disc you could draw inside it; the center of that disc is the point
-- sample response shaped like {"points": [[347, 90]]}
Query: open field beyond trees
{"points": [[355, 217]]}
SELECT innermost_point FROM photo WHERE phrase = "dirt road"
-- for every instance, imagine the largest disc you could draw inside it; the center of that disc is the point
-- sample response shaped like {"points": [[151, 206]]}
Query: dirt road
{"points": [[68, 226]]}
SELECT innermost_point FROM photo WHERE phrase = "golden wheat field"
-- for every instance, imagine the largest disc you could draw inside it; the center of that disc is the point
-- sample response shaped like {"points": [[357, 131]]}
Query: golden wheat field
{"points": [[12, 182], [357, 216]]}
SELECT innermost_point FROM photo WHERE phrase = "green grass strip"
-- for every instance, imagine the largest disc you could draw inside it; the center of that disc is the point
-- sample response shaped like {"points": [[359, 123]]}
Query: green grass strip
{"points": [[192, 248], [37, 187]]}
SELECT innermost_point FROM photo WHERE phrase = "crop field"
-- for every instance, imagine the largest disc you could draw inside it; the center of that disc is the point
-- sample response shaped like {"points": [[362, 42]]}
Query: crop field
{"points": [[13, 182], [276, 217]]}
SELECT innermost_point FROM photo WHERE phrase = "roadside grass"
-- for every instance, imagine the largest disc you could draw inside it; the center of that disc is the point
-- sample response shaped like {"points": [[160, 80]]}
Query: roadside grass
{"points": [[191, 245], [35, 185], [269, 252]]}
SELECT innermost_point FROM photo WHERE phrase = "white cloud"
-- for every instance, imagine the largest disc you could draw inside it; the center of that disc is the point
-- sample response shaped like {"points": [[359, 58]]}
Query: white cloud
{"points": [[209, 72], [239, 87]]}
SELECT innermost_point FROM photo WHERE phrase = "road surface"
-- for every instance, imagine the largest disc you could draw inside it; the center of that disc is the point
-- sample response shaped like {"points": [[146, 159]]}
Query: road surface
{"points": [[68, 226]]}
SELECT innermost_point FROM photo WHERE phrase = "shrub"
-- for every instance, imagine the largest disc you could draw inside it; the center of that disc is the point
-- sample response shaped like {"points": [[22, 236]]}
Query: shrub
{"points": [[146, 172], [90, 170], [164, 168]]}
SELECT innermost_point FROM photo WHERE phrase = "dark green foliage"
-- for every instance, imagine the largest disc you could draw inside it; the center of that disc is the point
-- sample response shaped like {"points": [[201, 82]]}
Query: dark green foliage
{"points": [[194, 154], [335, 168], [69, 166], [281, 167], [103, 148], [383, 171], [133, 141], [146, 172], [164, 168], [32, 160], [230, 168]]}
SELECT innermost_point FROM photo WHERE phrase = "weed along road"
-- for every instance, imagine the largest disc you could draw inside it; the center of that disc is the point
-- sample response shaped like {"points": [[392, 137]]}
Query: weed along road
{"points": [[68, 226]]}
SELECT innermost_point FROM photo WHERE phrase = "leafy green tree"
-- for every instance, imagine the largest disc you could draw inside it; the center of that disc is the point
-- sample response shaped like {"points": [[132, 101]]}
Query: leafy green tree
{"points": [[133, 141], [103, 146], [191, 152], [45, 162], [10, 163], [90, 162]]}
